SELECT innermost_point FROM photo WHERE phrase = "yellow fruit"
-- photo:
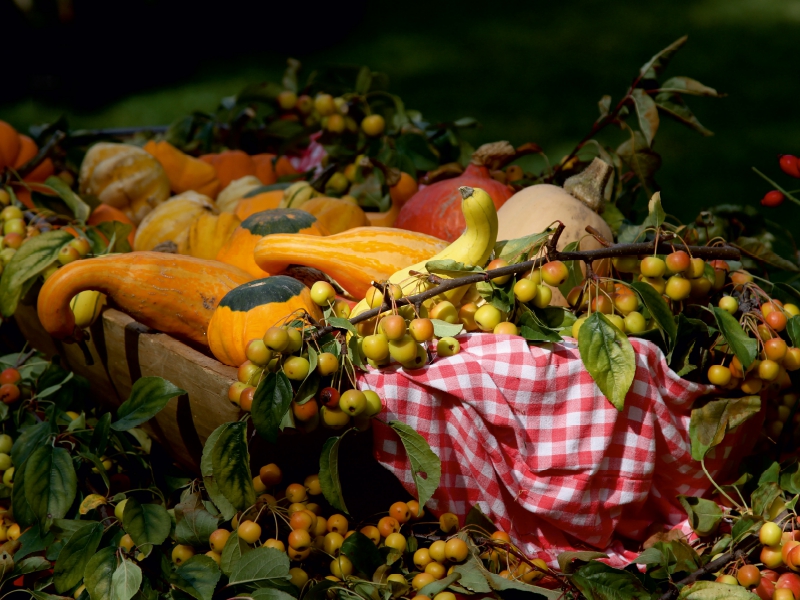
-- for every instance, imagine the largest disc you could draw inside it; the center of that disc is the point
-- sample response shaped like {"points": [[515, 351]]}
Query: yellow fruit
{"points": [[86, 307]]}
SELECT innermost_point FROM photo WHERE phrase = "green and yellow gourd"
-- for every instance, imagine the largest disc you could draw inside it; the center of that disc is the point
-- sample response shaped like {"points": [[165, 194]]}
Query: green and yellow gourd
{"points": [[238, 250], [473, 248], [246, 312]]}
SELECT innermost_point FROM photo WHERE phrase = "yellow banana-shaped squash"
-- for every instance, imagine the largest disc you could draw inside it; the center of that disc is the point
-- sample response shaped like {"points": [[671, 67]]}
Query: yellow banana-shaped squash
{"points": [[86, 307], [473, 248], [297, 194]]}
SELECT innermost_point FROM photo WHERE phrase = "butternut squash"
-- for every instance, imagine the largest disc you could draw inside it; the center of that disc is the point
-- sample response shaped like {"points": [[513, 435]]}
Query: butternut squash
{"points": [[168, 292], [354, 258]]}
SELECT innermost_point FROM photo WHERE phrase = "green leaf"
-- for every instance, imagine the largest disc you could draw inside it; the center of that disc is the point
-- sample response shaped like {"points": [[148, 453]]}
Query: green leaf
{"points": [[758, 250], [30, 439], [266, 594], [33, 257], [126, 580], [75, 555], [441, 585], [501, 584], [763, 496], [416, 148], [575, 274], [270, 403], [647, 113], [32, 541], [22, 509], [198, 577], [100, 434], [261, 564], [207, 471], [472, 577], [149, 395], [711, 590], [476, 517], [50, 484], [195, 527], [233, 551], [231, 463], [653, 67], [658, 308], [704, 515], [793, 330], [329, 473], [147, 524], [674, 107], [426, 468], [449, 267], [608, 356], [533, 329], [710, 422], [444, 329], [743, 525], [33, 564], [744, 347], [565, 559], [79, 208], [362, 553], [687, 85], [598, 581], [511, 249]]}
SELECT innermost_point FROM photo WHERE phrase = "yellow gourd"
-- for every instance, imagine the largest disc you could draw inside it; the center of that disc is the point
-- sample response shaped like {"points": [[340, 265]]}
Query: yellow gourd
{"points": [[336, 215], [235, 191], [208, 234], [172, 220]]}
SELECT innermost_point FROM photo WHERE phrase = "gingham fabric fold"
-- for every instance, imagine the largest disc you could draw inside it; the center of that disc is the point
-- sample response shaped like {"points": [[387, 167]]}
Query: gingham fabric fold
{"points": [[524, 432]]}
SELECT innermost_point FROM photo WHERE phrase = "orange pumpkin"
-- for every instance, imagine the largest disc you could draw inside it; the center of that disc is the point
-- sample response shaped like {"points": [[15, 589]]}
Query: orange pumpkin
{"points": [[235, 164], [336, 215], [104, 213], [185, 173], [9, 145], [16, 149], [284, 167], [238, 250], [261, 199]]}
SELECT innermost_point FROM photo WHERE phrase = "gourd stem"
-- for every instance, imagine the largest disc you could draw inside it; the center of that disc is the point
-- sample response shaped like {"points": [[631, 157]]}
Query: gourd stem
{"points": [[612, 251]]}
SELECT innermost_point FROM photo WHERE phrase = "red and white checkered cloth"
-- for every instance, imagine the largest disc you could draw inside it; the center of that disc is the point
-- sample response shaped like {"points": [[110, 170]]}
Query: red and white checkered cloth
{"points": [[524, 432]]}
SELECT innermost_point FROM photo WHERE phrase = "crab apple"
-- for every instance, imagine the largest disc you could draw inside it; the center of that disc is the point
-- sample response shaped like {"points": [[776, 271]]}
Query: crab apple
{"points": [[421, 329], [634, 322], [773, 198], [768, 370], [444, 311], [792, 309], [329, 397], [218, 539], [617, 321], [505, 328], [373, 125], [422, 558], [728, 304], [393, 327], [652, 266], [525, 290], [126, 542], [353, 402], [626, 264], [626, 302], [396, 541], [334, 418], [375, 347], [776, 320], [719, 375], [404, 350], [789, 165], [276, 339], [554, 273], [543, 296], [740, 278], [748, 576], [322, 293], [246, 398], [400, 511], [466, 315], [602, 304], [373, 405], [678, 261], [791, 362], [270, 475], [372, 533], [697, 267], [771, 556], [248, 373], [789, 581], [788, 546], [296, 368], [448, 346], [770, 534], [487, 317], [765, 589], [499, 263], [576, 326], [337, 523], [678, 288], [456, 550], [181, 553], [727, 580], [296, 492], [327, 364], [6, 443], [257, 353], [657, 283], [341, 309], [388, 526], [783, 594], [420, 580], [775, 349], [448, 522], [10, 375], [302, 520]]}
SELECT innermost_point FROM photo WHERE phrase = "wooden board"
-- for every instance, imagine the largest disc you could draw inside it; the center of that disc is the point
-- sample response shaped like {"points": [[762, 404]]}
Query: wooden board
{"points": [[124, 350]]}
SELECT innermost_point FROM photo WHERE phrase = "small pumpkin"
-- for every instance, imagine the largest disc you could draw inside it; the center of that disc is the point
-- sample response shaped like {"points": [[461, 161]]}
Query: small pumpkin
{"points": [[246, 312], [336, 215], [265, 197], [208, 234], [235, 164], [238, 250], [104, 213], [9, 145], [228, 198], [16, 149], [124, 176], [185, 172], [171, 221]]}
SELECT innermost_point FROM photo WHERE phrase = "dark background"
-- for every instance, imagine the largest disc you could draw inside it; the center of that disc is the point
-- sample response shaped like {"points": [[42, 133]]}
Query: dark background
{"points": [[528, 71]]}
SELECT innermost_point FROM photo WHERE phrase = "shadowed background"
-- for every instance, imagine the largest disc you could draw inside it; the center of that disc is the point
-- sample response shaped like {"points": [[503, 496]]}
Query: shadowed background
{"points": [[528, 71]]}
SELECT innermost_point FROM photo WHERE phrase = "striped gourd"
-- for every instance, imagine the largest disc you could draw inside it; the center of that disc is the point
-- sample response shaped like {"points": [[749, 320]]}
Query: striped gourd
{"points": [[354, 258]]}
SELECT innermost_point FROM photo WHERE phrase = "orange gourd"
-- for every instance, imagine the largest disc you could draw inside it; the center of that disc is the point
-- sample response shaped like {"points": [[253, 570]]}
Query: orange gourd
{"points": [[336, 215], [235, 164], [354, 258], [168, 292], [16, 149], [284, 167], [250, 205], [238, 250], [265, 168], [9, 145], [384, 219], [246, 312], [436, 210], [185, 172], [104, 213]]}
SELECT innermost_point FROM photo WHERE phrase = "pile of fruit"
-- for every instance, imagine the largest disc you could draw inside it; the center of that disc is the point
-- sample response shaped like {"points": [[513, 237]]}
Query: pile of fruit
{"points": [[307, 234]]}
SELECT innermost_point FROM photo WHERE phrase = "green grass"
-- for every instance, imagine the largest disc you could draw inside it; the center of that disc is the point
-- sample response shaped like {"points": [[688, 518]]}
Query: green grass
{"points": [[530, 71]]}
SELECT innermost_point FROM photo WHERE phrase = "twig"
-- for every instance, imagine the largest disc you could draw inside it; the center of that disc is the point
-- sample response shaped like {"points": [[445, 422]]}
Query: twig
{"points": [[43, 153], [615, 250], [711, 567]]}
